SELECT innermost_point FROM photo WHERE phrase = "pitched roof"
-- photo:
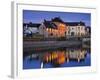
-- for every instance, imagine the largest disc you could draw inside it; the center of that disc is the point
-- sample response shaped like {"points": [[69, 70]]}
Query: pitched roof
{"points": [[49, 24], [57, 19], [75, 23], [31, 24]]}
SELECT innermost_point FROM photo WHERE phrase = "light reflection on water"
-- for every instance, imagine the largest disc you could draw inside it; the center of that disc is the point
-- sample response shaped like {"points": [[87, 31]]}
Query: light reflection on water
{"points": [[66, 57]]}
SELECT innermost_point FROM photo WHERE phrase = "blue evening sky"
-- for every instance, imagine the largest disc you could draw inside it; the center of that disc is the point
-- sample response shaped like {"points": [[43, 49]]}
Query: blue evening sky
{"points": [[39, 16]]}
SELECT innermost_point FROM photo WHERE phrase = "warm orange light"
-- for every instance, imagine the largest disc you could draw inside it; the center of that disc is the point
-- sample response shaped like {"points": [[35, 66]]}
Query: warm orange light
{"points": [[60, 31], [47, 29], [61, 60]]}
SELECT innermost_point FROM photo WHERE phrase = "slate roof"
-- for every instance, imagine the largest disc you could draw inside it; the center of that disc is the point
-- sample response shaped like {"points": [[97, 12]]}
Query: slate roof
{"points": [[50, 24], [31, 24], [75, 23], [57, 19]]}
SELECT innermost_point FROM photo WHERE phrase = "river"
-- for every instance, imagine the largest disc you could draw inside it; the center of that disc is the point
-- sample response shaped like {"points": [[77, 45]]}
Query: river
{"points": [[54, 58]]}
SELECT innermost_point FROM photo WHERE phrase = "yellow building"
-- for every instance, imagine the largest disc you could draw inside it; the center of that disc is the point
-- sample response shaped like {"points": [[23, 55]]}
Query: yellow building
{"points": [[54, 28]]}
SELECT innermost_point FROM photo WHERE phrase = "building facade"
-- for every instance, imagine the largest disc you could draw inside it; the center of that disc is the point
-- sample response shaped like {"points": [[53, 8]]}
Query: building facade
{"points": [[54, 28], [30, 28], [57, 28], [76, 28]]}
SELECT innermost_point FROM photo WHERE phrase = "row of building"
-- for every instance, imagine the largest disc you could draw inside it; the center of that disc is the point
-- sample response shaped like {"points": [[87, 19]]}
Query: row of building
{"points": [[56, 27]]}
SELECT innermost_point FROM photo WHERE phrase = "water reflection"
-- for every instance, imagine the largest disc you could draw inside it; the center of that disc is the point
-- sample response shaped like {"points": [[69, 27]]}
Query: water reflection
{"points": [[65, 57]]}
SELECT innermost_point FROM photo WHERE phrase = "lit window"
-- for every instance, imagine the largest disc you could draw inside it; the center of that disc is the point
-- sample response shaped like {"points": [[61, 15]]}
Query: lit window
{"points": [[47, 29]]}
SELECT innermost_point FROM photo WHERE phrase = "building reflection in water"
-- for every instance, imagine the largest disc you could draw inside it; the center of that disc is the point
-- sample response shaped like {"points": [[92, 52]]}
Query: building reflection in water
{"points": [[62, 56], [58, 57]]}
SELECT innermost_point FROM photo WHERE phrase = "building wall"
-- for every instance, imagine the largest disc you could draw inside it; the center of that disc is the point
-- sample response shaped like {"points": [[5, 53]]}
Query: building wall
{"points": [[51, 32], [81, 30], [42, 30], [72, 30], [77, 30], [30, 30], [47, 32], [61, 29]]}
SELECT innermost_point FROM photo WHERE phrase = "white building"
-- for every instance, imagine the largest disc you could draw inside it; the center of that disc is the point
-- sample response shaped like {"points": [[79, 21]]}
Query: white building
{"points": [[56, 28], [76, 28], [30, 28]]}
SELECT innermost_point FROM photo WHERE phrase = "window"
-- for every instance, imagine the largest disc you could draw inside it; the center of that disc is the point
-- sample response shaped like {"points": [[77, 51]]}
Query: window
{"points": [[72, 28], [78, 28]]}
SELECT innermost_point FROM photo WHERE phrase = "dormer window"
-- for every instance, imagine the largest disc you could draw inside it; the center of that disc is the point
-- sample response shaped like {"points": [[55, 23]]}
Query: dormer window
{"points": [[79, 24]]}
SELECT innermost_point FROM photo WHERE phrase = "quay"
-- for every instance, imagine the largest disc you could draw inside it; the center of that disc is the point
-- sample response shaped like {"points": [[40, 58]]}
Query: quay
{"points": [[29, 45]]}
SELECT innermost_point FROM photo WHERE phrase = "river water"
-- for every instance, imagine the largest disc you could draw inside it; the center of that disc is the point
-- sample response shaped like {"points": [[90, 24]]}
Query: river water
{"points": [[54, 58]]}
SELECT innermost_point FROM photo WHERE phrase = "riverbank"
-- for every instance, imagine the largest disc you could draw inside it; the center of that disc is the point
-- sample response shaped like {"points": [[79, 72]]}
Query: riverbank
{"points": [[29, 45]]}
